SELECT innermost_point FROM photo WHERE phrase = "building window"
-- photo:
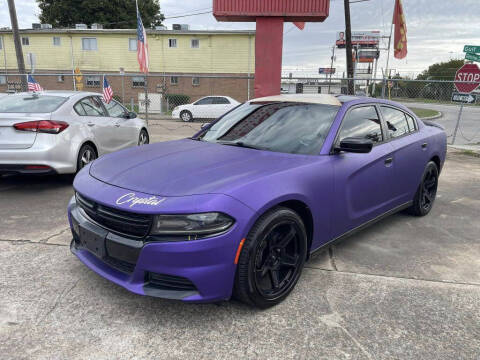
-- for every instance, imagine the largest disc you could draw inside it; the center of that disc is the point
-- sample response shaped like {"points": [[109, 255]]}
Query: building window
{"points": [[92, 80], [25, 41], [196, 81], [132, 44], [89, 44], [1, 43], [195, 43], [172, 43], [174, 80], [138, 81], [3, 79], [56, 41], [61, 78]]}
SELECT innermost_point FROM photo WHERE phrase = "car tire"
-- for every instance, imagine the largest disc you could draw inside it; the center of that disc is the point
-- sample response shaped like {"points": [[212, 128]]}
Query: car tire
{"points": [[85, 156], [271, 259], [143, 138], [186, 116], [426, 192]]}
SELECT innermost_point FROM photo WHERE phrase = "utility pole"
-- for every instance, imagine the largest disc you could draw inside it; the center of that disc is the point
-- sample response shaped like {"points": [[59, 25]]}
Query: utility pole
{"points": [[18, 45], [348, 47]]}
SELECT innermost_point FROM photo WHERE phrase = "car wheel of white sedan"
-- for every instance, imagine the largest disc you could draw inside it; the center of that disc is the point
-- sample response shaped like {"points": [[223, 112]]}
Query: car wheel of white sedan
{"points": [[143, 138], [86, 155], [186, 116]]}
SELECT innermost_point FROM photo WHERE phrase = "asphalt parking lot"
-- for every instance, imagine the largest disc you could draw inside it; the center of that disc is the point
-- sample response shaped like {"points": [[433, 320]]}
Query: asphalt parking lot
{"points": [[406, 288]]}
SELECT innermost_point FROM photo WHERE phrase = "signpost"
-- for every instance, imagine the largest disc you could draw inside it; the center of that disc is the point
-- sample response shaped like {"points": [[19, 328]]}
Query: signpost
{"points": [[472, 57], [471, 49], [326, 71], [467, 79]]}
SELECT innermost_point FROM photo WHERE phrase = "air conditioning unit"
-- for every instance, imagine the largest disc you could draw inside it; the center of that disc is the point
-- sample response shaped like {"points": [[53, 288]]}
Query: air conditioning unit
{"points": [[81, 26], [96, 26], [36, 26], [46, 26], [181, 27]]}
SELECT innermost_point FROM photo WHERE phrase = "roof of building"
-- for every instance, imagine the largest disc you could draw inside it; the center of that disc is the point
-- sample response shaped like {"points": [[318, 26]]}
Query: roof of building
{"points": [[131, 31], [323, 99]]}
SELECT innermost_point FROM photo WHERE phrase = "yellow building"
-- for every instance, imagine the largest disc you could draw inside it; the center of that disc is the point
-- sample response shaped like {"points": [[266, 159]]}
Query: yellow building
{"points": [[175, 58]]}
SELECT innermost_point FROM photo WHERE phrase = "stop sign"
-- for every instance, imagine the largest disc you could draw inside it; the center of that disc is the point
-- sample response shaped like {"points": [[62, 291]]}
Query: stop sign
{"points": [[467, 78]]}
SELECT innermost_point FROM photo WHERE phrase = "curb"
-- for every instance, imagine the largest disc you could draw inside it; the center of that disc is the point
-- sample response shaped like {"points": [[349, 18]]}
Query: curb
{"points": [[473, 149], [438, 116]]}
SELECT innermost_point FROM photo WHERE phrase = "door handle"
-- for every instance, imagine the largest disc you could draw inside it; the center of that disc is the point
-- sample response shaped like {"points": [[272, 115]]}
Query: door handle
{"points": [[424, 145], [117, 125], [91, 124], [388, 161]]}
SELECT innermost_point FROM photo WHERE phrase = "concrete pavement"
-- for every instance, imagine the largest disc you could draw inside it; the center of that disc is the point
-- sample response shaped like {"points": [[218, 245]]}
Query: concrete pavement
{"points": [[406, 288]]}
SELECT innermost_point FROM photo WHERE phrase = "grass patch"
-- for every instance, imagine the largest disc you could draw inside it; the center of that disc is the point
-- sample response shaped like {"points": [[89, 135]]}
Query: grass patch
{"points": [[470, 153], [424, 113]]}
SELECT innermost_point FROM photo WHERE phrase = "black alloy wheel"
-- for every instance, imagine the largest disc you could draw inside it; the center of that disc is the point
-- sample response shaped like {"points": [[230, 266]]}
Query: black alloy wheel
{"points": [[272, 258], [426, 192]]}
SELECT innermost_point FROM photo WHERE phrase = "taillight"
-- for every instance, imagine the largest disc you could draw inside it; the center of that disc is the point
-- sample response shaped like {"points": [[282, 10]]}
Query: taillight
{"points": [[42, 126]]}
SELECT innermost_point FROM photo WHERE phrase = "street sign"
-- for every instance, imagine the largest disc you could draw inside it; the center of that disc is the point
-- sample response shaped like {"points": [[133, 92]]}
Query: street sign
{"points": [[471, 49], [467, 78], [464, 98], [472, 57]]}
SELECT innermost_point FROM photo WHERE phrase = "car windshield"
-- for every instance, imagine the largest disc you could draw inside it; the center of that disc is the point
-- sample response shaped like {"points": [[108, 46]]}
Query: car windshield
{"points": [[30, 103], [288, 127]]}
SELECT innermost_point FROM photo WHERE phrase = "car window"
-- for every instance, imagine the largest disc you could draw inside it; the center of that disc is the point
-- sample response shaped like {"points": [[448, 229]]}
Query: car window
{"points": [[204, 101], [221, 101], [362, 122], [79, 109], [30, 103], [286, 127], [412, 124], [396, 122], [114, 109], [92, 106]]}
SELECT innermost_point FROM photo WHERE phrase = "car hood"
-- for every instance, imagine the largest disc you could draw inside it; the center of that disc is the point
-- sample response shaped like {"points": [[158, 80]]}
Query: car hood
{"points": [[188, 167]]}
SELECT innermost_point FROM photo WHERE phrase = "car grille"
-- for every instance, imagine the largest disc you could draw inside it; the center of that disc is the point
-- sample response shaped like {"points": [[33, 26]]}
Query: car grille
{"points": [[117, 221], [169, 282]]}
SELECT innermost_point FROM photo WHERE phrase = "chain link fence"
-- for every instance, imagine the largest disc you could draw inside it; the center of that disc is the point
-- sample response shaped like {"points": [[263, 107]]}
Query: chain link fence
{"points": [[190, 97]]}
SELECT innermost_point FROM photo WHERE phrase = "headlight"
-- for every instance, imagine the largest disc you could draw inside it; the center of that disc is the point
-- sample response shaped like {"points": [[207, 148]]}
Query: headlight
{"points": [[194, 224]]}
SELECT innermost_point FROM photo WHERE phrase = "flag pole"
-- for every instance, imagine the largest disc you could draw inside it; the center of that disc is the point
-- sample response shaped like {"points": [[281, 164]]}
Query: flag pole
{"points": [[388, 55]]}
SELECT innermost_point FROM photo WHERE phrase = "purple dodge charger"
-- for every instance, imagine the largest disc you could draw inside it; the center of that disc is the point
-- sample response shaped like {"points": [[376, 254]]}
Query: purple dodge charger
{"points": [[237, 209]]}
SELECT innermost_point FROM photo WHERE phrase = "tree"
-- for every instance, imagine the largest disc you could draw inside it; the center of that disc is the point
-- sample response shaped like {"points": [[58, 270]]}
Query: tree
{"points": [[112, 14], [441, 71]]}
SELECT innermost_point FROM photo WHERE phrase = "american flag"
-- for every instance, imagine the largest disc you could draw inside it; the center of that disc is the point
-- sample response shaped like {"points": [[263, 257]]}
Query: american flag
{"points": [[107, 91], [33, 85], [142, 46]]}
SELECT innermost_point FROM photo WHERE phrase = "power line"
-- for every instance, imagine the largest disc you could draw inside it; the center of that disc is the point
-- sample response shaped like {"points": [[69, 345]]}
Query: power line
{"points": [[182, 16]]}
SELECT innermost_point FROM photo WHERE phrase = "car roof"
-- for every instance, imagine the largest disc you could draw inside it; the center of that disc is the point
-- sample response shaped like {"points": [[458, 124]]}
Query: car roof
{"points": [[323, 99]]}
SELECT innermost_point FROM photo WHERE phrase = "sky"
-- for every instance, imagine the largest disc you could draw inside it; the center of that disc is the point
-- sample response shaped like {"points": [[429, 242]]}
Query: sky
{"points": [[437, 30]]}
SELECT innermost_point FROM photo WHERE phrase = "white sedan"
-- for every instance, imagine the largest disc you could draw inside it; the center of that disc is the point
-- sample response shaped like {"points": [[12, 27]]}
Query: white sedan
{"points": [[210, 107], [61, 132]]}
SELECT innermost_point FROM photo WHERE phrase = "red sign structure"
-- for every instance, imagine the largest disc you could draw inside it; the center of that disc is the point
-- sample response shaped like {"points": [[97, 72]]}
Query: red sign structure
{"points": [[467, 78], [270, 16]]}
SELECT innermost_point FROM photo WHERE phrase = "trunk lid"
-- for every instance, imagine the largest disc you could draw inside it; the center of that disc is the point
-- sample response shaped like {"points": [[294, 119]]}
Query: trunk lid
{"points": [[13, 139]]}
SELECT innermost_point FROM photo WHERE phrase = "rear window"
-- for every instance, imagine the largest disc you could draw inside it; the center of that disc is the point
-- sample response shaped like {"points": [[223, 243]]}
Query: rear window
{"points": [[30, 103]]}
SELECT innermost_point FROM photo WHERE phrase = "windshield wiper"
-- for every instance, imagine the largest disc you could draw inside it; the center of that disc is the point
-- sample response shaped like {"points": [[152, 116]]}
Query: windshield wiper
{"points": [[239, 144]]}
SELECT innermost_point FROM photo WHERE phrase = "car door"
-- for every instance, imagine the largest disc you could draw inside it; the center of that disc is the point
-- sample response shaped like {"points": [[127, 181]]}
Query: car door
{"points": [[410, 152], [362, 181], [202, 109], [125, 132], [221, 105], [94, 116]]}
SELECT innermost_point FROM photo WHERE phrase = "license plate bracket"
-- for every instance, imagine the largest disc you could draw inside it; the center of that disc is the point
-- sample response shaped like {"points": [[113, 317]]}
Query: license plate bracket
{"points": [[92, 241]]}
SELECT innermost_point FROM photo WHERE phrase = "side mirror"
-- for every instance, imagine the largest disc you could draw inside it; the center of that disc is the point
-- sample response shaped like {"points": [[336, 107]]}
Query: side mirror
{"points": [[130, 115], [355, 145]]}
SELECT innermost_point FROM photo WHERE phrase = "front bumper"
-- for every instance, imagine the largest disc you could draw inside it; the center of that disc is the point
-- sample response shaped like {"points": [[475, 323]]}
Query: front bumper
{"points": [[195, 271]]}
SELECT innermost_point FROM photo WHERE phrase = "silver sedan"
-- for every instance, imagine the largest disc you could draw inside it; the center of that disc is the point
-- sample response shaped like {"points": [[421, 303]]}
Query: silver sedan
{"points": [[61, 132]]}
